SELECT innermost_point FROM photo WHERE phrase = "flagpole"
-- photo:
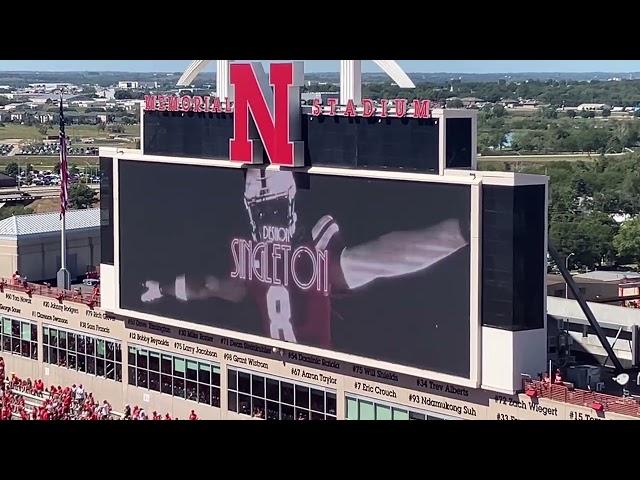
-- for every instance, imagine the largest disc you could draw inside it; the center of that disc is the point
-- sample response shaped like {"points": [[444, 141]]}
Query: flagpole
{"points": [[63, 252], [63, 278]]}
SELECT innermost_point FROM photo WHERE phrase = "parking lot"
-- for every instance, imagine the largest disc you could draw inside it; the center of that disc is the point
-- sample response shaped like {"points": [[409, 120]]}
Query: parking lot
{"points": [[53, 148]]}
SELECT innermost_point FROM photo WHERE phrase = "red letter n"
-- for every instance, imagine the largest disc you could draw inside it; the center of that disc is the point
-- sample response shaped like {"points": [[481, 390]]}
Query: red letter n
{"points": [[275, 114]]}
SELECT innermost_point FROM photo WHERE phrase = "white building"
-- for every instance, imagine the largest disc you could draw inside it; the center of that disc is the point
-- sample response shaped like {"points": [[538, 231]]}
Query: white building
{"points": [[595, 107], [620, 217], [83, 103], [18, 116], [132, 105], [107, 93], [128, 85], [45, 117], [50, 87]]}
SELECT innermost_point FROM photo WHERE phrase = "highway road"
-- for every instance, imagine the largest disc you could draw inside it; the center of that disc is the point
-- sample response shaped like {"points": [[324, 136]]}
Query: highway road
{"points": [[39, 191]]}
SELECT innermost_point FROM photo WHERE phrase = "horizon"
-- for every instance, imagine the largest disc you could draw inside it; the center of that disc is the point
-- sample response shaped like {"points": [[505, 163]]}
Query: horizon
{"points": [[336, 72], [462, 67]]}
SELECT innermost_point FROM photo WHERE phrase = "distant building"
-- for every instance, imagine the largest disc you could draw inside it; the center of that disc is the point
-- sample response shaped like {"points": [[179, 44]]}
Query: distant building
{"points": [[104, 117], [509, 102], [529, 103], [44, 117], [21, 116], [132, 105], [30, 244], [470, 102], [593, 107], [608, 276], [76, 118], [128, 85], [106, 93], [596, 285], [620, 217], [630, 288], [49, 87]]}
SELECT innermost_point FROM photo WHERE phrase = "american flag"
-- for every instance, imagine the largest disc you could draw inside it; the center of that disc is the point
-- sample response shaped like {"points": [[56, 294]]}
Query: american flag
{"points": [[64, 170]]}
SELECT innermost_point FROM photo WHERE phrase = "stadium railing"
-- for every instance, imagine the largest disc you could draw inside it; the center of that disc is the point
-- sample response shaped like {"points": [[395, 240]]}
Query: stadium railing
{"points": [[584, 398], [90, 299]]}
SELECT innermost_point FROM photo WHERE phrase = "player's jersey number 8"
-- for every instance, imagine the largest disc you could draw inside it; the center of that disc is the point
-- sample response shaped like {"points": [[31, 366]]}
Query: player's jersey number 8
{"points": [[279, 310]]}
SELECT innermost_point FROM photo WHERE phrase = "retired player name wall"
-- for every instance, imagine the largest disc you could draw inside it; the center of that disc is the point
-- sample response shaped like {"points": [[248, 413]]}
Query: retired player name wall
{"points": [[348, 379], [66, 315]]}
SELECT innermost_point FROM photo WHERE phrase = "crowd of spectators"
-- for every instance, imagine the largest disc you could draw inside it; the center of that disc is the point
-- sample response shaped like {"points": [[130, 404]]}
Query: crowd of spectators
{"points": [[546, 379], [61, 403]]}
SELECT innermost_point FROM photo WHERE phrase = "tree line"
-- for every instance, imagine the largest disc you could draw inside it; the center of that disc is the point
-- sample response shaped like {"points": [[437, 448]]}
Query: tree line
{"points": [[588, 201], [553, 92], [547, 132]]}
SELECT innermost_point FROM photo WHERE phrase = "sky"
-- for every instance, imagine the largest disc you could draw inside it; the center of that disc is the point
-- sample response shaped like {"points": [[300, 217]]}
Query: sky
{"points": [[426, 66]]}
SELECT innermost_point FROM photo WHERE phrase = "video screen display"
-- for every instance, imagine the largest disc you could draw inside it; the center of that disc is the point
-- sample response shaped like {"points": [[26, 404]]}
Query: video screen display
{"points": [[378, 268]]}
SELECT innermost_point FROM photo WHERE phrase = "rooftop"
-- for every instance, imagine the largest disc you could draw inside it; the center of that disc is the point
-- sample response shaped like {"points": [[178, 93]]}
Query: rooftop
{"points": [[42, 223], [608, 276]]}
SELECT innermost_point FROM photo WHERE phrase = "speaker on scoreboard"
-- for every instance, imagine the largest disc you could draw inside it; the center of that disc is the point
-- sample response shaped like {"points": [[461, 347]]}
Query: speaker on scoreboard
{"points": [[513, 256], [459, 153]]}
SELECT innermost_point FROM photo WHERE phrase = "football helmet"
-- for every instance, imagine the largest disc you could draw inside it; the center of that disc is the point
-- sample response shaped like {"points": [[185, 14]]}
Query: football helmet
{"points": [[269, 198]]}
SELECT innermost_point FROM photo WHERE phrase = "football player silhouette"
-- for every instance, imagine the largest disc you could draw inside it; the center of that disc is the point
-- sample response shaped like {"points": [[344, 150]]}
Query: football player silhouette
{"points": [[292, 309]]}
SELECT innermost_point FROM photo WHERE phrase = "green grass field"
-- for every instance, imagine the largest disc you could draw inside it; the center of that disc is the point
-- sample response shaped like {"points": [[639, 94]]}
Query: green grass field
{"points": [[24, 132]]}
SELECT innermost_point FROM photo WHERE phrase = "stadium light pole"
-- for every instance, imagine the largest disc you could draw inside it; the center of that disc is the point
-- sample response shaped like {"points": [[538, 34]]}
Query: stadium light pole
{"points": [[566, 285]]}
